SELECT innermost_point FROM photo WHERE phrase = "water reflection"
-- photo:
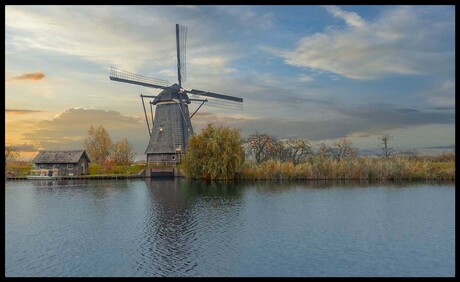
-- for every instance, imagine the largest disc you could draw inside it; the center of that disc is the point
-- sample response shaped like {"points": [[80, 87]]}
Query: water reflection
{"points": [[271, 186], [170, 240]]}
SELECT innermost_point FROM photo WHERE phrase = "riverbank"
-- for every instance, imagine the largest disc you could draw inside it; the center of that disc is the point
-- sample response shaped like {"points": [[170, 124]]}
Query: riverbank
{"points": [[359, 168], [84, 177]]}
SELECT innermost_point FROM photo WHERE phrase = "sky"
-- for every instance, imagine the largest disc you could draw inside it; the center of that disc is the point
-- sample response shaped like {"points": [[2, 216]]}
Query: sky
{"points": [[314, 72]]}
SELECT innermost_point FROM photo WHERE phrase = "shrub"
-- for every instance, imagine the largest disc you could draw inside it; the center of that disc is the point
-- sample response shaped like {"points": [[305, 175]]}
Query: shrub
{"points": [[215, 153]]}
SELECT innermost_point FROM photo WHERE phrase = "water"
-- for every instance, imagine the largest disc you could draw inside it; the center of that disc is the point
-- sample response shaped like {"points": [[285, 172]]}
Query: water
{"points": [[183, 228]]}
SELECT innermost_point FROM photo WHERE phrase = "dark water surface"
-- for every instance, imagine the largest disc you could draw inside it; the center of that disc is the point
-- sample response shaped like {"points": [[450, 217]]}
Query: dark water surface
{"points": [[182, 228]]}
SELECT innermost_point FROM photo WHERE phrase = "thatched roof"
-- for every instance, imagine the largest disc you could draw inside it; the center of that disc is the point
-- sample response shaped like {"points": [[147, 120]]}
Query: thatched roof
{"points": [[59, 157]]}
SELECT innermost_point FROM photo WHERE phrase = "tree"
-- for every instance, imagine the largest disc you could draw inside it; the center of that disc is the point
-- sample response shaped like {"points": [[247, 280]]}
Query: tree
{"points": [[297, 149], [262, 146], [342, 149], [386, 150], [323, 151], [123, 153], [215, 153], [98, 144], [11, 152], [276, 151]]}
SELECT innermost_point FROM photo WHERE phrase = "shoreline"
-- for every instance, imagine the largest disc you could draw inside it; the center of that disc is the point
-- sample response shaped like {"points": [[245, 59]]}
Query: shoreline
{"points": [[103, 177]]}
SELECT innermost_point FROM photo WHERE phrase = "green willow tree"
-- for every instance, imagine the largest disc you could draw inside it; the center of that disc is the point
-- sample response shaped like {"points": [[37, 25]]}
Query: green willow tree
{"points": [[215, 153]]}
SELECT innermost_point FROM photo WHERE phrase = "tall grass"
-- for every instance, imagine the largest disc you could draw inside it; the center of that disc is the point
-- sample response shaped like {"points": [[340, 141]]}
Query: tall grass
{"points": [[359, 168]]}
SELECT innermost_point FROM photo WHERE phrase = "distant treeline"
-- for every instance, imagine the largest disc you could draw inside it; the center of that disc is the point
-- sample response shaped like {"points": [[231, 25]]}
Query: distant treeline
{"points": [[269, 158]]}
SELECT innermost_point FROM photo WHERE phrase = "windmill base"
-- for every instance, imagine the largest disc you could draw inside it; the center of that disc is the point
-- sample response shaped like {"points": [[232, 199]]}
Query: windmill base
{"points": [[163, 172]]}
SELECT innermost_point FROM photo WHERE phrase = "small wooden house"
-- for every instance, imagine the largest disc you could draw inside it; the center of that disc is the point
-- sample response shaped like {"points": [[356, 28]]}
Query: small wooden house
{"points": [[69, 162]]}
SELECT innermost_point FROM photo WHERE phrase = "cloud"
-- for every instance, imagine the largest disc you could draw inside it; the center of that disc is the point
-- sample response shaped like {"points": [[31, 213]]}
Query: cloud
{"points": [[403, 40], [389, 116], [20, 111], [305, 78], [442, 95], [192, 7], [28, 76], [69, 129], [247, 16], [140, 43], [25, 148], [352, 19], [353, 121]]}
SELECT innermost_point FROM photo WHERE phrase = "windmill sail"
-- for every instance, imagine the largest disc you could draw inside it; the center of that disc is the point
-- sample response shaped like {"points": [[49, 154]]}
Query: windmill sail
{"points": [[214, 95], [181, 36], [129, 77]]}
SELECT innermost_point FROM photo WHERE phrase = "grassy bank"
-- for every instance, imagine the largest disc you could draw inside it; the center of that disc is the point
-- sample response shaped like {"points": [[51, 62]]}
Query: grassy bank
{"points": [[363, 168], [94, 169]]}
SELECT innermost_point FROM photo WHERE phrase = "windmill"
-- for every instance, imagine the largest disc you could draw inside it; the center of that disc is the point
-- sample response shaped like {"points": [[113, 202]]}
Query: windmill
{"points": [[170, 127]]}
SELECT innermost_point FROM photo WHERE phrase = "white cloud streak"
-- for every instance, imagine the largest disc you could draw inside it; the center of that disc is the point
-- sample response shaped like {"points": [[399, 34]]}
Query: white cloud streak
{"points": [[352, 19]]}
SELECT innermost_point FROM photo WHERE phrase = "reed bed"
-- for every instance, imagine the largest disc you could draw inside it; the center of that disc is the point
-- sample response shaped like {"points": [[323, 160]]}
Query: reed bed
{"points": [[359, 168]]}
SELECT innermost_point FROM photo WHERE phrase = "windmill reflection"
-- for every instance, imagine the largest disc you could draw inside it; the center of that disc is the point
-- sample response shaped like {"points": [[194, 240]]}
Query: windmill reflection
{"points": [[176, 230]]}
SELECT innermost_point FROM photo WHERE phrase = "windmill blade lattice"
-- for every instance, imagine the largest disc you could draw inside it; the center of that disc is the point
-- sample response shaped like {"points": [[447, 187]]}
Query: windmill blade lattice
{"points": [[129, 77], [218, 103], [181, 38]]}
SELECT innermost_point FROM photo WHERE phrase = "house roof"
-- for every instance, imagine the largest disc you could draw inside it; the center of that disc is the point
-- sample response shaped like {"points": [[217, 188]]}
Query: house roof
{"points": [[60, 157]]}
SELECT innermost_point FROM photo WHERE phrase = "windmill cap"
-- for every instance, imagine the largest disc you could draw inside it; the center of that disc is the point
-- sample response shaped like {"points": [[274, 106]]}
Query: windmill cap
{"points": [[169, 94]]}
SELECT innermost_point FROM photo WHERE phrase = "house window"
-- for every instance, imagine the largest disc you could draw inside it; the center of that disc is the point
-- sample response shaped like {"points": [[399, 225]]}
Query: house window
{"points": [[41, 166], [56, 166], [70, 166], [173, 157]]}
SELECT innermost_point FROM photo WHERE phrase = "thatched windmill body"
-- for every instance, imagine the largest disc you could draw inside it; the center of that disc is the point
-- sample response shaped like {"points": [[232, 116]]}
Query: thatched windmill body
{"points": [[170, 127]]}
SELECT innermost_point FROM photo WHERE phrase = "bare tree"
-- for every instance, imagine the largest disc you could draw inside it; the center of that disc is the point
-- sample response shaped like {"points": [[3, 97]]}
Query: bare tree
{"points": [[343, 149], [297, 149], [98, 144], [276, 150], [386, 150], [261, 146], [323, 151], [11, 152], [123, 153]]}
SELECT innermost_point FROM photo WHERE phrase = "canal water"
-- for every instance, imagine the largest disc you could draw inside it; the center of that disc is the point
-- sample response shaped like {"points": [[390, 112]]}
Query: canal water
{"points": [[143, 227]]}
